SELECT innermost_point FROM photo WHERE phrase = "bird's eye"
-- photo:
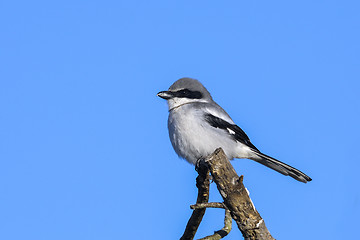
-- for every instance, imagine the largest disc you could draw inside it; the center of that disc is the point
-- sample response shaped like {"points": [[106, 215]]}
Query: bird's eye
{"points": [[183, 92]]}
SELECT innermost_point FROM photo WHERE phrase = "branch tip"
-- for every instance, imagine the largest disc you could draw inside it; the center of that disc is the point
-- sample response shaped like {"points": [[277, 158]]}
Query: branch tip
{"points": [[241, 179]]}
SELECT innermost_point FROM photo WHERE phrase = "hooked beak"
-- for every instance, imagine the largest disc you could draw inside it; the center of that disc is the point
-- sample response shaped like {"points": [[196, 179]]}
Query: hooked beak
{"points": [[165, 95]]}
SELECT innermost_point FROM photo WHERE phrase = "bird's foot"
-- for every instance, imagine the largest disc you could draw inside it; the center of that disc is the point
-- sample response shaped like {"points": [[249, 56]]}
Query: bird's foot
{"points": [[197, 164]]}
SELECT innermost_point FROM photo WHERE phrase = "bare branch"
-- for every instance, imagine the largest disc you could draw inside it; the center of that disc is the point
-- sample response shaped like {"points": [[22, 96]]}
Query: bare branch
{"points": [[208, 205], [224, 231], [237, 202], [203, 185], [236, 197]]}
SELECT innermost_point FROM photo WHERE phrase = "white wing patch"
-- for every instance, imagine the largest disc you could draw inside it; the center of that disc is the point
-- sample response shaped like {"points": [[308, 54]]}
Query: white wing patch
{"points": [[230, 131]]}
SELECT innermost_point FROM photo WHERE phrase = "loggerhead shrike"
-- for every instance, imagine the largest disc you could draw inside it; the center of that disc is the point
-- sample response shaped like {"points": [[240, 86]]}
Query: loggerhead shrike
{"points": [[198, 125]]}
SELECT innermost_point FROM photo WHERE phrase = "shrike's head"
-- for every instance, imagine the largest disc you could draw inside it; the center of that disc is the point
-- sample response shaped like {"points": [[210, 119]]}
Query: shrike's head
{"points": [[185, 90]]}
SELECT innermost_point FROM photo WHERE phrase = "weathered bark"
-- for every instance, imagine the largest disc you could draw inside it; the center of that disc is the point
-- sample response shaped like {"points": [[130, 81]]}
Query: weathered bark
{"points": [[236, 197], [203, 185]]}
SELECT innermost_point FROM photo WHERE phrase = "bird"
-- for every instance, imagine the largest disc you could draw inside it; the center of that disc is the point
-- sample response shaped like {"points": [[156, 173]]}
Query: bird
{"points": [[198, 126]]}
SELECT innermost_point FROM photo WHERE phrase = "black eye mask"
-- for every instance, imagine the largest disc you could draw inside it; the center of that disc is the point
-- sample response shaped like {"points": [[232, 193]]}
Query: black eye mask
{"points": [[186, 93]]}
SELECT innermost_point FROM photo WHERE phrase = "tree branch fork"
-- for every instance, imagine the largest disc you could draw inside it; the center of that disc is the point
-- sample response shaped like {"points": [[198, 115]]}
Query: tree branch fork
{"points": [[237, 203]]}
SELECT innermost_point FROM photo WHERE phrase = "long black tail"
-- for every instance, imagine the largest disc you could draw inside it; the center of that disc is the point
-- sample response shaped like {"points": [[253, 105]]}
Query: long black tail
{"points": [[281, 167]]}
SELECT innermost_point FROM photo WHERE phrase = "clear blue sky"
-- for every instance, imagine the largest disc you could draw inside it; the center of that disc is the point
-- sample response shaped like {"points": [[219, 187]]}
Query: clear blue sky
{"points": [[84, 148]]}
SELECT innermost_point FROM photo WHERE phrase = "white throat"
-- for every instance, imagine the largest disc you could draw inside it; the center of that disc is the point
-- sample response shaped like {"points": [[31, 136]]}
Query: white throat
{"points": [[178, 102]]}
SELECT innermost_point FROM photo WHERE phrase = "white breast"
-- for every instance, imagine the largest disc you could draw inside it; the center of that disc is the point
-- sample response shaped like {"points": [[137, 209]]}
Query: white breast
{"points": [[193, 138]]}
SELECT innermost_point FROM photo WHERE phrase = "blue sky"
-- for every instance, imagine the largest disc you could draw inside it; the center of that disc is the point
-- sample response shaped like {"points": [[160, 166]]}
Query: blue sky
{"points": [[84, 148]]}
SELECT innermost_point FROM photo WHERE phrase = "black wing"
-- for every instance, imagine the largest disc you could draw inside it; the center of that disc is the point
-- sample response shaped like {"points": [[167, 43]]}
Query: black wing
{"points": [[235, 131]]}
